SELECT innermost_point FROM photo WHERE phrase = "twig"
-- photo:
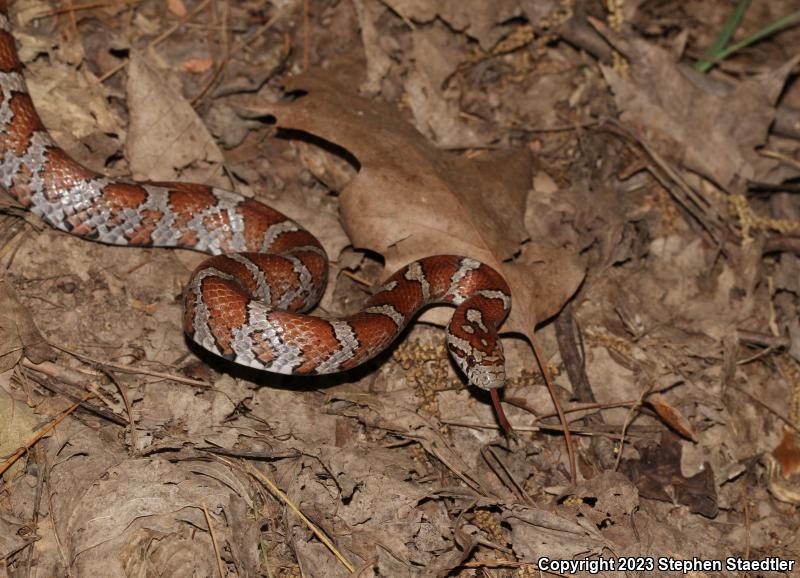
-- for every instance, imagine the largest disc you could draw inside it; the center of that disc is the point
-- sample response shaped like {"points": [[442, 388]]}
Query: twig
{"points": [[763, 339], [747, 525], [214, 541], [785, 159], [628, 420], [72, 18], [516, 486], [50, 385], [782, 245], [126, 400], [573, 470], [357, 278], [695, 204], [41, 479], [72, 8], [134, 370], [39, 435]]}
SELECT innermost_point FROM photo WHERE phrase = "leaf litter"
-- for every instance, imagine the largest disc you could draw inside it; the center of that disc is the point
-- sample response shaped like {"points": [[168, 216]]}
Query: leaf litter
{"points": [[658, 205]]}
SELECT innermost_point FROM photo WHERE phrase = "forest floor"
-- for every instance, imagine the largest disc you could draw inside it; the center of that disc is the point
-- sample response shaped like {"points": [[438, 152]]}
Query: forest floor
{"points": [[641, 204]]}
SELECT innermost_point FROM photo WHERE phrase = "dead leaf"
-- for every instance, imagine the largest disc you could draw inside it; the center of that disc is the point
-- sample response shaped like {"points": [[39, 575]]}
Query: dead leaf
{"points": [[74, 106], [11, 536], [147, 513], [437, 54], [539, 532], [477, 18], [606, 502], [439, 118], [658, 476], [411, 200], [713, 135], [168, 141], [17, 426], [384, 413], [165, 134], [379, 62]]}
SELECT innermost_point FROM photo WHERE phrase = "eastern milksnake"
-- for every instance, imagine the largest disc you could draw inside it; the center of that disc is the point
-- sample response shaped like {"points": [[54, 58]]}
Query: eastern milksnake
{"points": [[245, 302]]}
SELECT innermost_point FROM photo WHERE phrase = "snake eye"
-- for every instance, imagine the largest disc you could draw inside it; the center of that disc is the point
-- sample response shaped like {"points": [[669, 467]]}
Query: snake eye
{"points": [[471, 361]]}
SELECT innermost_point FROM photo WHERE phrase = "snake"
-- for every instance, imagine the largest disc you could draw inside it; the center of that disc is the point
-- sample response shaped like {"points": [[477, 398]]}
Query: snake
{"points": [[248, 301]]}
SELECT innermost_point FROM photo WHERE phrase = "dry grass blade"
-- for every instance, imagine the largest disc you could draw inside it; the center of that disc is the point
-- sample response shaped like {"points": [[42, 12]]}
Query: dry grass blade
{"points": [[285, 499], [220, 567], [573, 470]]}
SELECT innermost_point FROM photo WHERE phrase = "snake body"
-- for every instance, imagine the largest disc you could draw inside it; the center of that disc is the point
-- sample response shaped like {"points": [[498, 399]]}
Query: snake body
{"points": [[246, 303]]}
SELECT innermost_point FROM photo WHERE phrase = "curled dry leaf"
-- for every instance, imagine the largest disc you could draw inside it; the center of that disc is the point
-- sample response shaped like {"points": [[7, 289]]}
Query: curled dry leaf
{"points": [[671, 416], [411, 200]]}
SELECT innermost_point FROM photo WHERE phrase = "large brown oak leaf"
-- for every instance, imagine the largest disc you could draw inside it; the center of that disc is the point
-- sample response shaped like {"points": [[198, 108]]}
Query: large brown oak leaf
{"points": [[410, 200]]}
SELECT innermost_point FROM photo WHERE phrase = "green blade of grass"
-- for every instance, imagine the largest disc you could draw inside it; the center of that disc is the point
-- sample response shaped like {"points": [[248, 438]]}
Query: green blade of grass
{"points": [[718, 45], [768, 30]]}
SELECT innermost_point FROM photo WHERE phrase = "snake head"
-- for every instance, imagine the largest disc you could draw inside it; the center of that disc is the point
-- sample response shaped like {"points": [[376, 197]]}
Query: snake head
{"points": [[480, 358]]}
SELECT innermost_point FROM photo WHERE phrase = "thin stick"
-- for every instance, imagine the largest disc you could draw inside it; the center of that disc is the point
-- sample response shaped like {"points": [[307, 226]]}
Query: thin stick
{"points": [[78, 7], [134, 370], [285, 499], [629, 417], [39, 435], [573, 471], [214, 541], [128, 408]]}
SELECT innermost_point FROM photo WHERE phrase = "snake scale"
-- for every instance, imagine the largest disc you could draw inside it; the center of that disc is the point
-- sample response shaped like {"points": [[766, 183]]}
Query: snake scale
{"points": [[245, 303]]}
